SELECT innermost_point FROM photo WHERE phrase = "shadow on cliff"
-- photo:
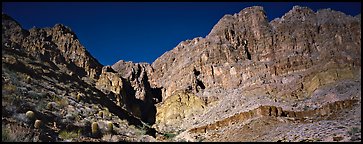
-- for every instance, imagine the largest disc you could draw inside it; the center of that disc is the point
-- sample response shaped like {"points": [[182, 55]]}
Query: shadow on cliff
{"points": [[145, 109]]}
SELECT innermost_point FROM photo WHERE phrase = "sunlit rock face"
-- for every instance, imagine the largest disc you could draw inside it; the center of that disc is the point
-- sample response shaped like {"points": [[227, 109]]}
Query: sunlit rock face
{"points": [[246, 61]]}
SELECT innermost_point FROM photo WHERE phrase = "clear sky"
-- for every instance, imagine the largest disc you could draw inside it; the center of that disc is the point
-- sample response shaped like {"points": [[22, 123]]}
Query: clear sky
{"points": [[142, 31]]}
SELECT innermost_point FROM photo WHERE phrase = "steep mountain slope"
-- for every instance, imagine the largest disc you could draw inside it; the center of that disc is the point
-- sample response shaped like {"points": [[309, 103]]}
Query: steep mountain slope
{"points": [[296, 78], [48, 75]]}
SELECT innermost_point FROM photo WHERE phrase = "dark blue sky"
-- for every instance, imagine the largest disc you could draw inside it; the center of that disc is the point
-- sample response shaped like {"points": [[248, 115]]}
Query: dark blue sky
{"points": [[141, 32]]}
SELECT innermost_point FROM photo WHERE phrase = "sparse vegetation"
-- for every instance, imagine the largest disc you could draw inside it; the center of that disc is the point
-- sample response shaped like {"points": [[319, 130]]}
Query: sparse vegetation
{"points": [[36, 95], [141, 130], [78, 97], [4, 135], [352, 131], [69, 134], [50, 106], [169, 135], [15, 133], [306, 108], [41, 105], [10, 88], [61, 102]]}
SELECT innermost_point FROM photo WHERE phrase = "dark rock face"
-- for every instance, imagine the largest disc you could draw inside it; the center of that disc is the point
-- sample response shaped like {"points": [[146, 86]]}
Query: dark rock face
{"points": [[58, 45], [48, 71], [145, 96]]}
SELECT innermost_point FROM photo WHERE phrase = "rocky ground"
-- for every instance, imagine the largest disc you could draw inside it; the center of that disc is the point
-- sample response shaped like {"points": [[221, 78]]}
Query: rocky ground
{"points": [[296, 78]]}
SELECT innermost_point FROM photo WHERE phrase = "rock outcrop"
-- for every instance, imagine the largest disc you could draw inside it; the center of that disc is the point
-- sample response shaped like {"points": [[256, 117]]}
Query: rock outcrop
{"points": [[130, 86], [247, 72], [181, 105], [57, 45]]}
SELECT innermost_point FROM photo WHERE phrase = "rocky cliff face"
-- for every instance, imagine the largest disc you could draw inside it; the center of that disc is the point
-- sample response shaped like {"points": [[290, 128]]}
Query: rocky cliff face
{"points": [[130, 84], [244, 49], [58, 45], [49, 91], [246, 61]]}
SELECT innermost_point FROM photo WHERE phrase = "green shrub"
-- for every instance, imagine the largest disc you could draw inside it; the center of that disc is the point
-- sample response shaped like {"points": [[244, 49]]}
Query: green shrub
{"points": [[352, 131], [169, 135], [5, 135]]}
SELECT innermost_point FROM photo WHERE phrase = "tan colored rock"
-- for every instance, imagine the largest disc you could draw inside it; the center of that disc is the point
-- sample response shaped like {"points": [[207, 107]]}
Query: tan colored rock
{"points": [[181, 105]]}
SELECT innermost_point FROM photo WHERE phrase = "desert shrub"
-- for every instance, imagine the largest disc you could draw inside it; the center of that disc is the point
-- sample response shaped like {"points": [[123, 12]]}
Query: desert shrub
{"points": [[30, 115], [61, 102], [109, 127], [306, 108], [78, 97], [169, 135], [354, 133], [5, 135], [50, 106], [100, 114], [69, 134], [9, 88], [35, 95], [70, 116], [28, 79], [15, 134], [41, 105], [142, 130], [37, 124]]}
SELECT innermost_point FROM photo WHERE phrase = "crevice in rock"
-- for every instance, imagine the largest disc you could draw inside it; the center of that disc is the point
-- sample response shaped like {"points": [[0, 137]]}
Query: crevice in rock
{"points": [[245, 43], [196, 72], [200, 84]]}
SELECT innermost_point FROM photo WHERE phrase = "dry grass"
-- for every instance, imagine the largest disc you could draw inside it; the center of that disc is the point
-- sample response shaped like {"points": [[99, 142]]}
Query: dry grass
{"points": [[10, 88], [69, 134], [15, 133]]}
